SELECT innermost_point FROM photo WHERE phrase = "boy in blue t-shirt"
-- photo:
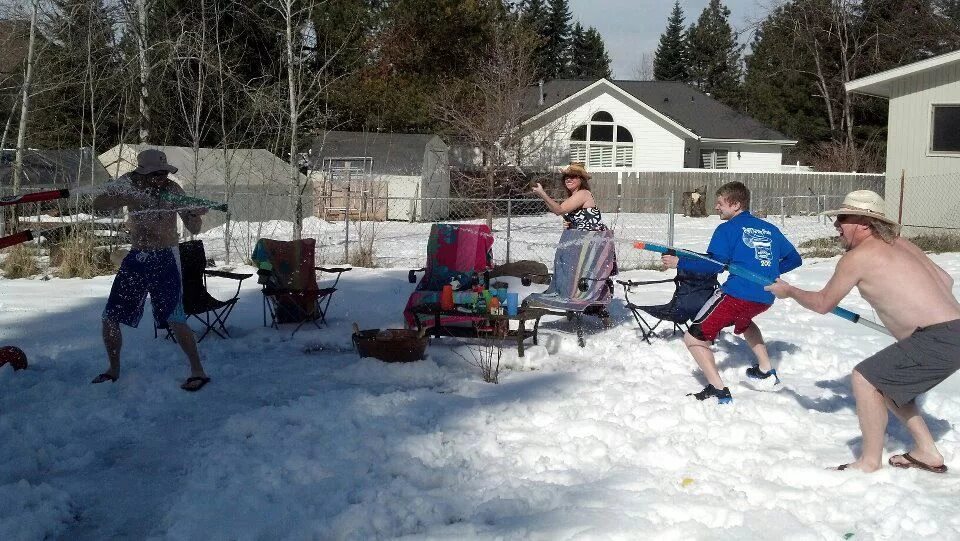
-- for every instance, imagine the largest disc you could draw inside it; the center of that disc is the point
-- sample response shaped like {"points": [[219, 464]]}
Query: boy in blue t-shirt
{"points": [[755, 245]]}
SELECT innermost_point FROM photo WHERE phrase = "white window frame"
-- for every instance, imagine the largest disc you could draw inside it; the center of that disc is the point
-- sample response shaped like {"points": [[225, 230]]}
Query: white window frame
{"points": [[609, 154], [714, 152], [930, 150]]}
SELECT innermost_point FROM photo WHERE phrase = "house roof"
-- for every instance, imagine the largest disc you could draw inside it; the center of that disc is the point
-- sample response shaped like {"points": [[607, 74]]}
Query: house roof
{"points": [[679, 103], [208, 166], [392, 153], [67, 168], [881, 84]]}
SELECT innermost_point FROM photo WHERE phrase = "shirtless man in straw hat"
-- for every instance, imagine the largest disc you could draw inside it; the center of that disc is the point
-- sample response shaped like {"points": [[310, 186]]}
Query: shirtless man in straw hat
{"points": [[913, 297]]}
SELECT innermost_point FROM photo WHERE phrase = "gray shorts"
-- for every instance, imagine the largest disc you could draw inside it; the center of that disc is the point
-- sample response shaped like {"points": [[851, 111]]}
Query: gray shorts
{"points": [[916, 364]]}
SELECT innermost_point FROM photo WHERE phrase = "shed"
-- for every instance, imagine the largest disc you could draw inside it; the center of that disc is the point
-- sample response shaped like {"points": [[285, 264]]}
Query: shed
{"points": [[394, 176], [254, 182], [47, 169]]}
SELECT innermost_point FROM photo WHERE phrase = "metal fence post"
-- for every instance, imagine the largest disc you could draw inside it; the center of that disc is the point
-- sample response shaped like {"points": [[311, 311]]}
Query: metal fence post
{"points": [[509, 212], [671, 211], [346, 224]]}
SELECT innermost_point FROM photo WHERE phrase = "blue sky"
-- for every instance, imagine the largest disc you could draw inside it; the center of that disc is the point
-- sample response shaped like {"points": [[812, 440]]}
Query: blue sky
{"points": [[633, 27]]}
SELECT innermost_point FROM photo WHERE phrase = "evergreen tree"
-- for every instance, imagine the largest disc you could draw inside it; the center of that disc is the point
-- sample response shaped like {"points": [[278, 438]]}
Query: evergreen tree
{"points": [[577, 52], [595, 62], [714, 65], [557, 38], [79, 81], [781, 94], [535, 16], [670, 62]]}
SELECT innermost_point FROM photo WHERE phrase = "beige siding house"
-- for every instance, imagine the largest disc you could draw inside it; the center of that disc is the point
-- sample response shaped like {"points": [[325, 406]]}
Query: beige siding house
{"points": [[254, 182], [923, 139]]}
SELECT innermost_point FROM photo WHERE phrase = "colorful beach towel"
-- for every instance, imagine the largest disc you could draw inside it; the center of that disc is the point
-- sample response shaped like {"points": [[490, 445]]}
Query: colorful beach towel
{"points": [[460, 252], [582, 257], [289, 273]]}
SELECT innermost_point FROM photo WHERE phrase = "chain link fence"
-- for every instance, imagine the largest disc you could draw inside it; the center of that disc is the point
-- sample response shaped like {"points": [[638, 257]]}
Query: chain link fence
{"points": [[926, 204], [360, 233], [523, 229]]}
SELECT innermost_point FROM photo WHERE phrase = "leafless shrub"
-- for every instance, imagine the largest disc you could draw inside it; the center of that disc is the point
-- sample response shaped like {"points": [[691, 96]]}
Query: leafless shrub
{"points": [[487, 353], [839, 156], [938, 244], [821, 247], [21, 262], [78, 257]]}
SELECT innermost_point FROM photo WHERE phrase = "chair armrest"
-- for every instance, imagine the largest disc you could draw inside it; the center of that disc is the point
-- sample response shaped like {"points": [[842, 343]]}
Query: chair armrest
{"points": [[412, 276], [337, 270], [630, 283], [224, 274], [526, 278]]}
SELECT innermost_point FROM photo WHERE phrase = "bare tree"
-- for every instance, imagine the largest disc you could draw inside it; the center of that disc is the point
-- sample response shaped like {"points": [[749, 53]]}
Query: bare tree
{"points": [[486, 110], [305, 68], [643, 69], [25, 102]]}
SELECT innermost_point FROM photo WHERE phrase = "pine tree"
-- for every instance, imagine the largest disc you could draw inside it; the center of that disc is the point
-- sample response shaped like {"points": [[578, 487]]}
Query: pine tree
{"points": [[595, 62], [714, 65], [781, 94], [535, 16], [670, 63], [557, 38], [576, 53], [79, 77]]}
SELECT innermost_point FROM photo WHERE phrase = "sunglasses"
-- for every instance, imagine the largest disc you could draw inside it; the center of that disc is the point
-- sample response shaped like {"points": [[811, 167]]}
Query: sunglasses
{"points": [[845, 218]]}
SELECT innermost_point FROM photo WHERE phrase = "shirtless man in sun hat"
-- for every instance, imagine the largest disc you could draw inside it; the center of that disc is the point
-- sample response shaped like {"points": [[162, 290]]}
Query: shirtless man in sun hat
{"points": [[153, 264], [913, 297]]}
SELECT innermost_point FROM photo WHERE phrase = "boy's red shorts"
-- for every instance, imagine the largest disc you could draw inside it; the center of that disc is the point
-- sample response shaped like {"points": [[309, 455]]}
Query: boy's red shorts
{"points": [[721, 311]]}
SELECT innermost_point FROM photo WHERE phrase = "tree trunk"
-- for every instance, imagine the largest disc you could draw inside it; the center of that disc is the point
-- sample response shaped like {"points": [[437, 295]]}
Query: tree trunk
{"points": [[292, 96], [142, 7], [24, 106]]}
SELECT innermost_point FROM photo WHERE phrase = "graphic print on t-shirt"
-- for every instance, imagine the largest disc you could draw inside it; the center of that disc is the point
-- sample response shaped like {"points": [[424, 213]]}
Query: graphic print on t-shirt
{"points": [[761, 242]]}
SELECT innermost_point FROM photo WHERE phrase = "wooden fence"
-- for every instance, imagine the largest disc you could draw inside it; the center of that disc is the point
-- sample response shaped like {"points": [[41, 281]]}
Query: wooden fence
{"points": [[644, 191]]}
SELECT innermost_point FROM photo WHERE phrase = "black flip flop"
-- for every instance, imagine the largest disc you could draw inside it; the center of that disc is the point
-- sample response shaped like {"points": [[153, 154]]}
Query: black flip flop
{"points": [[102, 378], [188, 387], [914, 463]]}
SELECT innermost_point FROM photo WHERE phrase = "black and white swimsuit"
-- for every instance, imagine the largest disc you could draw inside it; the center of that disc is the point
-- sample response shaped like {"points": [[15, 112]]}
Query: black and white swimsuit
{"points": [[585, 219]]}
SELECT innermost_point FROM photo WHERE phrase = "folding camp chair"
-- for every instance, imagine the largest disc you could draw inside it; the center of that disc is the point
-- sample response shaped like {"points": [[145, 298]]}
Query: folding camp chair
{"points": [[692, 291], [580, 283], [288, 275], [455, 252], [197, 301]]}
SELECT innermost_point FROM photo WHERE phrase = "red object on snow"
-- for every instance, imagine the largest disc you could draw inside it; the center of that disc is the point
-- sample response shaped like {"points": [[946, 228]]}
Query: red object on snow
{"points": [[34, 197], [13, 355], [16, 238]]}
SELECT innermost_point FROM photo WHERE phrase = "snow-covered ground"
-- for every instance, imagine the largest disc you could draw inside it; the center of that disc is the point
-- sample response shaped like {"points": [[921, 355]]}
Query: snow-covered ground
{"points": [[298, 438]]}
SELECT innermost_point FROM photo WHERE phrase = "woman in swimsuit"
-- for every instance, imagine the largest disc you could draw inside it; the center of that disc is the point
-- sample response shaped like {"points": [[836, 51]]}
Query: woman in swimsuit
{"points": [[579, 209]]}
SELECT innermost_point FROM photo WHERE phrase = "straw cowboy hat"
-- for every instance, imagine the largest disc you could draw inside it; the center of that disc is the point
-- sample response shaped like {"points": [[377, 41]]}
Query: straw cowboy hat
{"points": [[575, 170], [862, 203], [151, 161]]}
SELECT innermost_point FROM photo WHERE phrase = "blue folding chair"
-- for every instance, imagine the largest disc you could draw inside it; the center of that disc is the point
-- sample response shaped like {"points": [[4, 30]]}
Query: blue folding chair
{"points": [[692, 291]]}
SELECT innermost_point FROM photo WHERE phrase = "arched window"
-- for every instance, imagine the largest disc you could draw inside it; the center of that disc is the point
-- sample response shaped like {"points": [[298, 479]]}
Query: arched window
{"points": [[601, 143]]}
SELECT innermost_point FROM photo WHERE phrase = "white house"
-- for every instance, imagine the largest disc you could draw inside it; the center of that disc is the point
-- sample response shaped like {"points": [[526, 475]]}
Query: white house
{"points": [[643, 125], [410, 170], [923, 138]]}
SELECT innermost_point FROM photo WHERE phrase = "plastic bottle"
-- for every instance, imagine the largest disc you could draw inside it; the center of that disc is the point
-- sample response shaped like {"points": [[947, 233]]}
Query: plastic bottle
{"points": [[495, 309], [446, 298]]}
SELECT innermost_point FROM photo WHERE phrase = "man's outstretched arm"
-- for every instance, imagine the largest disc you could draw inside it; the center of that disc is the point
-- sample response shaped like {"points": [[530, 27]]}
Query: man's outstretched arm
{"points": [[844, 279]]}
